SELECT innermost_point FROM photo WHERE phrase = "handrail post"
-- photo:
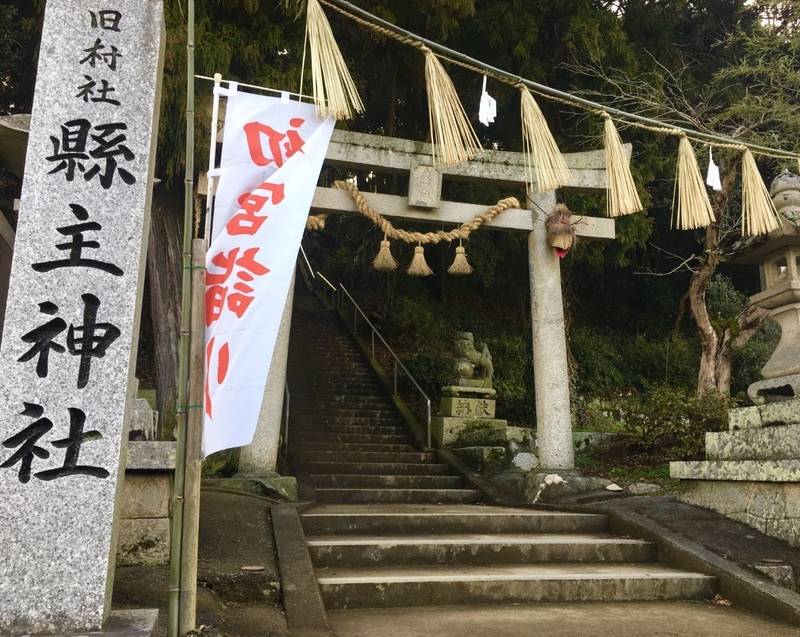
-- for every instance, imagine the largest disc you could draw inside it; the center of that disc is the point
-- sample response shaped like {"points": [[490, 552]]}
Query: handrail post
{"points": [[395, 378], [373, 344], [429, 424]]}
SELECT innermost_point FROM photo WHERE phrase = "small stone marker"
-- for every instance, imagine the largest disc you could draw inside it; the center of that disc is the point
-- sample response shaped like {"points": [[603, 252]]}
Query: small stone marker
{"points": [[73, 310], [424, 187]]}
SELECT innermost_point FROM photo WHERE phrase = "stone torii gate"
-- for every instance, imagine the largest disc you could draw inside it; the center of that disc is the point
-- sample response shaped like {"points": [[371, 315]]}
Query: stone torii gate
{"points": [[424, 204]]}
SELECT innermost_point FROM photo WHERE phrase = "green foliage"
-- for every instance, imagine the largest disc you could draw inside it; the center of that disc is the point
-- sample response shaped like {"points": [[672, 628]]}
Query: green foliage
{"points": [[724, 302], [608, 360], [752, 357]]}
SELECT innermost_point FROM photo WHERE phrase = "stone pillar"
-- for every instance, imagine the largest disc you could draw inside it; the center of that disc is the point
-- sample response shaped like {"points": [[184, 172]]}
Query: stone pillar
{"points": [[551, 376], [88, 173], [259, 457]]}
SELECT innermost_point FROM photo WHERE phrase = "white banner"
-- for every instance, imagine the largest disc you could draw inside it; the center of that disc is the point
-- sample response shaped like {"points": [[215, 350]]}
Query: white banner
{"points": [[271, 158]]}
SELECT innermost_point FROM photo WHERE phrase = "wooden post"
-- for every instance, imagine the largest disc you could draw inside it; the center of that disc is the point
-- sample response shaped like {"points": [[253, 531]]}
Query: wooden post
{"points": [[194, 444]]}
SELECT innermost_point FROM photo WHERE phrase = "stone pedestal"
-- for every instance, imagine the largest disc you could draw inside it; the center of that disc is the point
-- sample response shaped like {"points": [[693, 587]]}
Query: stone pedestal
{"points": [[752, 471], [467, 418]]}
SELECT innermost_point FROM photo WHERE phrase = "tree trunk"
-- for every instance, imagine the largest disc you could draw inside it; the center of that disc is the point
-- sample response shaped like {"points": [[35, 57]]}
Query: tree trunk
{"points": [[710, 341], [717, 349], [163, 265]]}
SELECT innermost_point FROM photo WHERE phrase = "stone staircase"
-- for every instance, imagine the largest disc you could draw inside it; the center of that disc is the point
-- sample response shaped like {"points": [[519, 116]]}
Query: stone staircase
{"points": [[346, 434], [394, 528]]}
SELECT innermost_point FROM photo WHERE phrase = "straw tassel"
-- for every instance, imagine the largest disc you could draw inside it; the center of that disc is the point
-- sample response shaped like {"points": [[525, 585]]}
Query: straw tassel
{"points": [[759, 215], [419, 267], [335, 93], [460, 266], [543, 160], [384, 260], [454, 139], [622, 199], [692, 209]]}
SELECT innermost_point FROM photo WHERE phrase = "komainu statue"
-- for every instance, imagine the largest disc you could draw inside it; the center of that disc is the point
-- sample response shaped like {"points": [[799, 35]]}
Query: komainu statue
{"points": [[472, 367]]}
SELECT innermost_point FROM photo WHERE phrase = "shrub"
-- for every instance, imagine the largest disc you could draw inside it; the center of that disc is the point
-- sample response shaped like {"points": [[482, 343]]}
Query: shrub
{"points": [[669, 418]]}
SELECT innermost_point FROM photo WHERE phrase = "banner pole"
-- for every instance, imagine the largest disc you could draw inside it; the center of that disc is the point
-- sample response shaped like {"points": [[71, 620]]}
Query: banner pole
{"points": [[194, 444], [212, 160], [176, 553]]}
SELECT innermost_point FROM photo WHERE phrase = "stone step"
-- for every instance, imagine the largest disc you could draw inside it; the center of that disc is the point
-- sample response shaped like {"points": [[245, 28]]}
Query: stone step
{"points": [[377, 468], [302, 446], [315, 394], [367, 456], [363, 438], [302, 411], [343, 402], [354, 430], [321, 421], [343, 372], [765, 443], [785, 412], [383, 496], [409, 519], [741, 470], [354, 408], [333, 388], [476, 549], [365, 587], [354, 480]]}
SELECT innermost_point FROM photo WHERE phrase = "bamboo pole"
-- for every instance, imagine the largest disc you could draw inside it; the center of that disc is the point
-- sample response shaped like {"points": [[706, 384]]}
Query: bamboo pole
{"points": [[194, 445], [176, 533]]}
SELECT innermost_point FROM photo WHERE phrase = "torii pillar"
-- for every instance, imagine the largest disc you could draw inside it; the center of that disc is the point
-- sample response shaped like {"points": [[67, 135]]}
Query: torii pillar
{"points": [[550, 371]]}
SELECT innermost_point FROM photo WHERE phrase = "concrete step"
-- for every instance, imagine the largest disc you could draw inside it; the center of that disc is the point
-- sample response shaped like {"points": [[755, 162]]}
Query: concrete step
{"points": [[422, 496], [372, 587], [302, 446], [350, 480], [409, 519], [367, 456], [476, 549], [377, 468], [391, 439], [766, 443], [617, 619]]}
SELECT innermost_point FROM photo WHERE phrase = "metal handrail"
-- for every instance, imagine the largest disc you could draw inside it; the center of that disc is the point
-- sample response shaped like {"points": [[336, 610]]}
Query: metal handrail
{"points": [[307, 262], [398, 365], [328, 283]]}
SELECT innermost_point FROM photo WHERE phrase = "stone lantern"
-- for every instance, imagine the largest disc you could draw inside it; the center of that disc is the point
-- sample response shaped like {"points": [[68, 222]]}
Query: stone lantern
{"points": [[778, 258]]}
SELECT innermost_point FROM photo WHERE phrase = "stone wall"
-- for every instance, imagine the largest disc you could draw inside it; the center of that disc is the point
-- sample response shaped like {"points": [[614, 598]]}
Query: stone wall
{"points": [[144, 525], [772, 508]]}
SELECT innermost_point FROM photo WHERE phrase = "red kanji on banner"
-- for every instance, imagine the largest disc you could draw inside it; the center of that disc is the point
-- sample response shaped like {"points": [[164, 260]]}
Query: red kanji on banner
{"points": [[279, 149], [218, 294], [223, 360], [247, 221]]}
